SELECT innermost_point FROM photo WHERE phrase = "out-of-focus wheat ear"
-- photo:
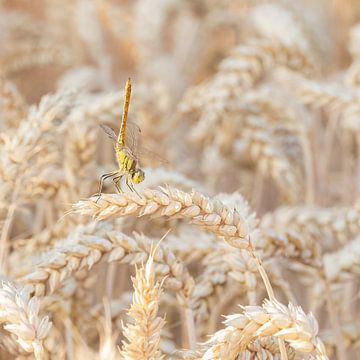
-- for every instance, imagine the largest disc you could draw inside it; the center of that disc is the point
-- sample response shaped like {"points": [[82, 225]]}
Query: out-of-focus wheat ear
{"points": [[354, 41], [268, 156], [289, 323], [9, 346], [124, 250], [276, 22], [350, 333], [36, 244], [54, 344], [21, 151], [79, 159], [339, 264], [213, 277], [20, 161], [143, 336], [13, 106], [20, 315], [333, 225], [72, 258], [266, 348], [290, 244], [108, 337], [239, 272], [238, 72], [186, 355], [27, 54], [330, 96], [352, 75]]}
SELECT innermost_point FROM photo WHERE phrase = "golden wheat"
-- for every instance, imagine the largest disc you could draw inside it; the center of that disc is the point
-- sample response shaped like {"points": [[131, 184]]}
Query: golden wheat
{"points": [[242, 242]]}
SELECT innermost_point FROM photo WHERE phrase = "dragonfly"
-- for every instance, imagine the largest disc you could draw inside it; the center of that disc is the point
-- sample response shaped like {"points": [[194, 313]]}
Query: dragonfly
{"points": [[128, 163]]}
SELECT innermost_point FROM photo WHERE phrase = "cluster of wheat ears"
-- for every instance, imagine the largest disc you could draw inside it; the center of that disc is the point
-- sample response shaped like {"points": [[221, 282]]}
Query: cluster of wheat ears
{"points": [[244, 243]]}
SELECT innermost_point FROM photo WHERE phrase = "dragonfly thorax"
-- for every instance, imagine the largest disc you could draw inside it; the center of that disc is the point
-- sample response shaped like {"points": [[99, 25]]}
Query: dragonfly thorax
{"points": [[128, 164]]}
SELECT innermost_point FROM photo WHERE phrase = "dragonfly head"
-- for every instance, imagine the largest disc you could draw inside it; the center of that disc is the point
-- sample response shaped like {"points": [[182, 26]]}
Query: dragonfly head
{"points": [[137, 176]]}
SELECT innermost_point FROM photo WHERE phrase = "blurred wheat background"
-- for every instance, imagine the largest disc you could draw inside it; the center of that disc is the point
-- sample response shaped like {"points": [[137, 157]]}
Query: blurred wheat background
{"points": [[244, 244]]}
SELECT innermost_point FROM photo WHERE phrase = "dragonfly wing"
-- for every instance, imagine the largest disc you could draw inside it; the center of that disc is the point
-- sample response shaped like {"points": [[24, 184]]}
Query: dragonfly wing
{"points": [[145, 153], [132, 136], [109, 132], [138, 151]]}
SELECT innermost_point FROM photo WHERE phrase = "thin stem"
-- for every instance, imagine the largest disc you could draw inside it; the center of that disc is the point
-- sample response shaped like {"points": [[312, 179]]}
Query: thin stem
{"points": [[190, 327], [309, 170], [257, 193], [6, 229], [330, 133], [69, 339], [334, 319], [270, 293], [109, 285]]}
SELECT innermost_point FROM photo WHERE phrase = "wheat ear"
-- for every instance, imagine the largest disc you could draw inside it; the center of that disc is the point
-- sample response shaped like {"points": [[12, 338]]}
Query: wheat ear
{"points": [[143, 337]]}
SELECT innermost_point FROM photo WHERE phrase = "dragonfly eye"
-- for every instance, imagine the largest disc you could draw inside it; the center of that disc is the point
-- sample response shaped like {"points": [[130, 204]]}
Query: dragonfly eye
{"points": [[138, 176]]}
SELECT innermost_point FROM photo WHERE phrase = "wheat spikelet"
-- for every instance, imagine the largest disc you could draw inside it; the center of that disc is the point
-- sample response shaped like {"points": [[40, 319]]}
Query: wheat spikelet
{"points": [[277, 23], [350, 334], [327, 96], [352, 76], [334, 98], [266, 348], [79, 163], [334, 224], [28, 55], [170, 202], [60, 264], [342, 262], [12, 106], [21, 149], [269, 157], [20, 315], [354, 41], [291, 244], [272, 319], [242, 69], [143, 337]]}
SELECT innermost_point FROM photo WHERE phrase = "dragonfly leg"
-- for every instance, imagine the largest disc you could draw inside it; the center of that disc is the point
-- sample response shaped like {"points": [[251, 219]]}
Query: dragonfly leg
{"points": [[116, 181], [131, 186], [128, 185], [101, 183]]}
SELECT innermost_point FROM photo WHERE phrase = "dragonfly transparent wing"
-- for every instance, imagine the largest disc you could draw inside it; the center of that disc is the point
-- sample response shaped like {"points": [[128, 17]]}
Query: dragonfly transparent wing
{"points": [[140, 152], [133, 132], [147, 154], [109, 132]]}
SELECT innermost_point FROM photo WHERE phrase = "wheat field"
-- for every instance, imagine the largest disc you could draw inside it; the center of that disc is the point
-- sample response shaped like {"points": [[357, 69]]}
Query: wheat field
{"points": [[242, 242]]}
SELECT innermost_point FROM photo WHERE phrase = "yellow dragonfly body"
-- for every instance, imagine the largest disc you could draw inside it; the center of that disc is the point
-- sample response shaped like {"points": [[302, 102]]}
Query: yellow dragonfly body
{"points": [[125, 156]]}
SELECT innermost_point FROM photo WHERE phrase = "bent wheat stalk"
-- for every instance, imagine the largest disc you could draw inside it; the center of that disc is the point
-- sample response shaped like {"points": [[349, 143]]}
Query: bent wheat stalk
{"points": [[173, 203]]}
